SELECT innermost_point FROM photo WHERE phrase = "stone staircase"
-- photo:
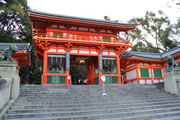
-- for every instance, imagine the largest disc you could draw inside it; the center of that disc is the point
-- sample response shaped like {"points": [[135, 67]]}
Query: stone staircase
{"points": [[85, 102]]}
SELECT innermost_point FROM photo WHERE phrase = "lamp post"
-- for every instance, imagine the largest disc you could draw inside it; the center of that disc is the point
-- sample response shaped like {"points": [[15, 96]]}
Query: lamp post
{"points": [[103, 79]]}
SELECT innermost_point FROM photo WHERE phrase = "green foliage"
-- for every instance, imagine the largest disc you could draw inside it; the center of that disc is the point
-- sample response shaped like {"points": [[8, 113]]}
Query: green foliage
{"points": [[15, 26], [141, 47], [32, 74], [154, 33], [14, 21]]}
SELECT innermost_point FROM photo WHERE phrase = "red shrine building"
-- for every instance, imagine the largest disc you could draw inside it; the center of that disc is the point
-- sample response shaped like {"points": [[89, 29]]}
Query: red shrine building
{"points": [[63, 42], [22, 55]]}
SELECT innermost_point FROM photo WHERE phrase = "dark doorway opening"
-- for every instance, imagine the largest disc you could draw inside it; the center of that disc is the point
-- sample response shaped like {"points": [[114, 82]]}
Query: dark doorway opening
{"points": [[78, 69]]}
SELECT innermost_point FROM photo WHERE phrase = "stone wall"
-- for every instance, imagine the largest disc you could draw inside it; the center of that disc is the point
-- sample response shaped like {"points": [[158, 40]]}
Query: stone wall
{"points": [[172, 82], [11, 71], [9, 86], [5, 91]]}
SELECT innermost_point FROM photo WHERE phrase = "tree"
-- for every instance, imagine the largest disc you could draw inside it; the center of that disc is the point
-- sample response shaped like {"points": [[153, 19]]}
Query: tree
{"points": [[154, 33], [15, 26], [14, 21]]}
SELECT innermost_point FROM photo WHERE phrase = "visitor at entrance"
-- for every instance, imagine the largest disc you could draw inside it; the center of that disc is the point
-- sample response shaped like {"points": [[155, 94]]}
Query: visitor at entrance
{"points": [[55, 68], [80, 81]]}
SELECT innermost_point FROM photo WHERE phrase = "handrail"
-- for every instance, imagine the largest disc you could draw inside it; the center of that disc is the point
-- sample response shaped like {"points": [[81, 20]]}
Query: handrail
{"points": [[80, 38]]}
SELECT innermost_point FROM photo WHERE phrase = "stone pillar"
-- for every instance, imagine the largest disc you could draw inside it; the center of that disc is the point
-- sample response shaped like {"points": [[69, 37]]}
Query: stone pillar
{"points": [[11, 71], [67, 67], [100, 62], [172, 81]]}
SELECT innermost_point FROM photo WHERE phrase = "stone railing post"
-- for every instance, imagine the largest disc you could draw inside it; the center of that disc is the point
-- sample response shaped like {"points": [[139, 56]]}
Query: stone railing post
{"points": [[171, 82], [11, 71]]}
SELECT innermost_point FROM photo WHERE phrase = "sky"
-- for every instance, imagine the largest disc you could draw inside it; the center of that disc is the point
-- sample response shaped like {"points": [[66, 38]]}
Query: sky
{"points": [[122, 10]]}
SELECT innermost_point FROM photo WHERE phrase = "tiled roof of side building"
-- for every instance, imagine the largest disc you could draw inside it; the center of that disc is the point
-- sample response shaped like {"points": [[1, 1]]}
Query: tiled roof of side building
{"points": [[141, 54], [151, 55], [80, 18], [20, 46]]}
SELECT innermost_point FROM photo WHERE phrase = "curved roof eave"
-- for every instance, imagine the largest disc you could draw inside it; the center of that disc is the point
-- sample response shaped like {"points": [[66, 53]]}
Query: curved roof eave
{"points": [[151, 55], [20, 46], [81, 18]]}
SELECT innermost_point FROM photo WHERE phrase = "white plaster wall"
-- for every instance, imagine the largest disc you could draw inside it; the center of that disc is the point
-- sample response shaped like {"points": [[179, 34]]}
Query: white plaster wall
{"points": [[94, 52], [105, 53], [156, 81], [112, 53], [73, 51], [52, 50], [131, 74], [135, 82], [142, 81], [149, 81], [85, 52], [61, 50], [161, 80], [131, 65]]}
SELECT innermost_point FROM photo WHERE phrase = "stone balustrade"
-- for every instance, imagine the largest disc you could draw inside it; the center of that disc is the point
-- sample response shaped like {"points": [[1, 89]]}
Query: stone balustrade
{"points": [[9, 86], [172, 81], [5, 91]]}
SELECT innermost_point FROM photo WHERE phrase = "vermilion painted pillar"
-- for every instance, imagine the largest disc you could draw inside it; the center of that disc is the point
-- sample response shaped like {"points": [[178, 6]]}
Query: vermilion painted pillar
{"points": [[152, 76], [44, 78], [68, 82], [118, 69], [137, 74]]}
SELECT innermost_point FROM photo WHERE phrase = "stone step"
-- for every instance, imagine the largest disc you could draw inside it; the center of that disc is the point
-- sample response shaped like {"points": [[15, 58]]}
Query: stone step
{"points": [[103, 98], [119, 107], [122, 101], [88, 86], [90, 91], [154, 116], [93, 95], [85, 102], [90, 96], [38, 106], [92, 115], [177, 117]]}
